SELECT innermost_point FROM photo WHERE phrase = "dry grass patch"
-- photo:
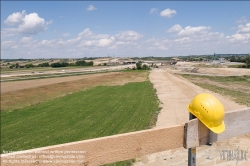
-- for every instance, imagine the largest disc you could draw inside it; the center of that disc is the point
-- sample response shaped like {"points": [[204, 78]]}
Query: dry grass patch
{"points": [[235, 87], [26, 97]]}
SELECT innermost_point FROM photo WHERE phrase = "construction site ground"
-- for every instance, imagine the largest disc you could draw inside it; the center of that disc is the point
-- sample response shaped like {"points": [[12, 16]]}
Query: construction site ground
{"points": [[175, 92]]}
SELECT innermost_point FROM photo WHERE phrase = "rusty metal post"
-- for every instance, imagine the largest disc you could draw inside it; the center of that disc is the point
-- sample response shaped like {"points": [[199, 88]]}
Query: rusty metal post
{"points": [[191, 151]]}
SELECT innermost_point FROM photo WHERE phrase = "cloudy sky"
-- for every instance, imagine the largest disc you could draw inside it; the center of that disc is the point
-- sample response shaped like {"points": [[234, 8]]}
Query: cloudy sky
{"points": [[45, 29]]}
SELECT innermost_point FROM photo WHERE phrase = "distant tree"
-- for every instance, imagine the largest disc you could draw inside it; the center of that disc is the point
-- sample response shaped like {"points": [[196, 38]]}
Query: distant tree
{"points": [[232, 59], [91, 63], [17, 65], [46, 64], [145, 67], [84, 63], [58, 64], [81, 63], [64, 64], [247, 59], [29, 65], [11, 67], [139, 65]]}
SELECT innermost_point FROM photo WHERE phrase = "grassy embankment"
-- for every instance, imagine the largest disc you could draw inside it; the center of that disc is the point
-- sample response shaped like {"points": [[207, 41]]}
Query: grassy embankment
{"points": [[96, 112], [235, 87]]}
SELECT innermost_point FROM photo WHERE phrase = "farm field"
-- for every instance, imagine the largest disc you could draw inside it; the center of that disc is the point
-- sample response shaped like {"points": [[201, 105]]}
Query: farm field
{"points": [[23, 77], [56, 73], [80, 116], [19, 94], [37, 69], [59, 110]]}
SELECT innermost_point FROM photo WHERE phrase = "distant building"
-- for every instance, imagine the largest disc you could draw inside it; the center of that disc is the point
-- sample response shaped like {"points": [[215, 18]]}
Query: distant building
{"points": [[221, 60]]}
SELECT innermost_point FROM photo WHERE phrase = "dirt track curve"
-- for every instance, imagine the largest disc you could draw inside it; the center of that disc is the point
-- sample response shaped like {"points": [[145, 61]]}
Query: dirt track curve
{"points": [[175, 93]]}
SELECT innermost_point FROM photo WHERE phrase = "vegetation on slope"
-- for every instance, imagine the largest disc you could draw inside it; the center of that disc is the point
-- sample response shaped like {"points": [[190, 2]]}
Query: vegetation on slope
{"points": [[235, 87]]}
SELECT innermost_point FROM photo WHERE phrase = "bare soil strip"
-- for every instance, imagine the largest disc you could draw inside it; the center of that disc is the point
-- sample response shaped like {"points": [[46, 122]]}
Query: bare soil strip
{"points": [[18, 85], [175, 93]]}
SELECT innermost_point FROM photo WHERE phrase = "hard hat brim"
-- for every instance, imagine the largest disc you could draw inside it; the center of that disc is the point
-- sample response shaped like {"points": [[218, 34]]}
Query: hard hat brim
{"points": [[218, 129]]}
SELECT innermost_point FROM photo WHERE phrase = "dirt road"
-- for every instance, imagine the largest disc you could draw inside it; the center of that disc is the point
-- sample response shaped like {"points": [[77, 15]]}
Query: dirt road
{"points": [[175, 93]]}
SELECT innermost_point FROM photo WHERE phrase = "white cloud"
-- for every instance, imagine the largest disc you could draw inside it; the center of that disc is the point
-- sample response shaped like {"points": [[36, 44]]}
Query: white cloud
{"points": [[14, 47], [91, 7], [242, 20], [112, 47], [73, 41], [127, 43], [7, 42], [61, 42], [5, 32], [153, 10], [87, 43], [242, 35], [71, 50], [194, 30], [32, 24], [194, 34], [66, 34], [168, 13], [129, 35], [157, 44], [15, 18], [239, 37], [182, 40], [25, 39], [105, 42], [49, 43], [48, 23], [244, 28], [175, 28], [85, 33], [120, 43], [27, 23]]}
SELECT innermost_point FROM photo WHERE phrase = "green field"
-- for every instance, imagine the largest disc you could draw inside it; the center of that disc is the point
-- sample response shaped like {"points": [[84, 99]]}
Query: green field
{"points": [[97, 112]]}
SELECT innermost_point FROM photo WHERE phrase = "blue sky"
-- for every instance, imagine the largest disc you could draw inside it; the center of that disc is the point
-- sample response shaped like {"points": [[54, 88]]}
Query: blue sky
{"points": [[64, 29]]}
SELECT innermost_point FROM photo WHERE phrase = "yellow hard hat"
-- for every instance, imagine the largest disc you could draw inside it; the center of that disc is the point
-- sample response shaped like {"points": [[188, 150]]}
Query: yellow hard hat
{"points": [[209, 110]]}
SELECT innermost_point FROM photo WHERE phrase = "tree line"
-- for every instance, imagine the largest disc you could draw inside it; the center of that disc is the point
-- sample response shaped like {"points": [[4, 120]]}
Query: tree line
{"points": [[54, 65], [245, 60]]}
